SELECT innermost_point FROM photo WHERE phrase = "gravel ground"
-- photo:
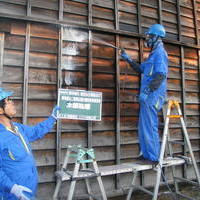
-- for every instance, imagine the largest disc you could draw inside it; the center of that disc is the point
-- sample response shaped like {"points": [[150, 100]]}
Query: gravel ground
{"points": [[191, 191]]}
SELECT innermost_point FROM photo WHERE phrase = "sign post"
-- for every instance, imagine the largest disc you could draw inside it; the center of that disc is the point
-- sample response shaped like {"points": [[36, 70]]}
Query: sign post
{"points": [[79, 104]]}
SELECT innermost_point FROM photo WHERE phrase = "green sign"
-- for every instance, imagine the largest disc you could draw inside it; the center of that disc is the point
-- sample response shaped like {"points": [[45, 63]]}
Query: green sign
{"points": [[79, 104]]}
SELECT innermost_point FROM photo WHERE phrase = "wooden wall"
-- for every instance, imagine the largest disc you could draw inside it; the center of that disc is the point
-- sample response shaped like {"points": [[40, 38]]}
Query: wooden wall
{"points": [[37, 44]]}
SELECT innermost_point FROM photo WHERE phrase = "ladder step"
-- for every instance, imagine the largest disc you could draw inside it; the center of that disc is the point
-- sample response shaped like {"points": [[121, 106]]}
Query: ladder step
{"points": [[176, 142], [186, 180], [184, 196], [143, 189], [167, 193], [65, 176], [174, 116]]}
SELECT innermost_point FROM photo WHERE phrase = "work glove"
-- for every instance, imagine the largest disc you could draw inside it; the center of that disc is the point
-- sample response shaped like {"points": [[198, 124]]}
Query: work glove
{"points": [[144, 94], [18, 191], [124, 55], [54, 113]]}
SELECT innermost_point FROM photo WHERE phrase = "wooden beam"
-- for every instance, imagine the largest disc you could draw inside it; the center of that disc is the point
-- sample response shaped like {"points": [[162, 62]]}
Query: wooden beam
{"points": [[93, 28], [141, 50], [90, 12], [59, 82], [159, 11], [61, 10], [116, 15], [183, 102], [26, 74], [139, 16], [196, 21], [178, 20], [197, 35], [28, 8], [2, 37], [117, 108], [89, 126]]}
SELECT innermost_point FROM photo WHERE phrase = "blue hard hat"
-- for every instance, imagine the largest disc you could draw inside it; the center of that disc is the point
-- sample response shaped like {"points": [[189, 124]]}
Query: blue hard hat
{"points": [[4, 94], [157, 29]]}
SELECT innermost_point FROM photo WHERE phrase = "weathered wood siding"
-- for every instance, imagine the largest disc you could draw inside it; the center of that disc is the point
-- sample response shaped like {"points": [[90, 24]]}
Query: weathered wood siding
{"points": [[35, 39]]}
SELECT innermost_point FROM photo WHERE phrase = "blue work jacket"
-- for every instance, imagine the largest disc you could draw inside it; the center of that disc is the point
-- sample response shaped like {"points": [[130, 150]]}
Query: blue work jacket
{"points": [[157, 62], [17, 165]]}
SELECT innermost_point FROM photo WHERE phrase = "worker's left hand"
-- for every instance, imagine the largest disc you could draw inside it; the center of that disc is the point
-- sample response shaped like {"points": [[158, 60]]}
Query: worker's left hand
{"points": [[124, 55], [54, 113]]}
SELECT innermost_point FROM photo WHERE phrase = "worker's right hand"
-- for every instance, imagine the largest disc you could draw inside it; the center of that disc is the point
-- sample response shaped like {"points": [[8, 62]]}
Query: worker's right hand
{"points": [[124, 55], [54, 113], [18, 190]]}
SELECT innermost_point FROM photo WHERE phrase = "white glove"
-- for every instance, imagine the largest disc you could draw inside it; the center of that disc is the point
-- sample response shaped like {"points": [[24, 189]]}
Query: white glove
{"points": [[18, 190], [54, 113]]}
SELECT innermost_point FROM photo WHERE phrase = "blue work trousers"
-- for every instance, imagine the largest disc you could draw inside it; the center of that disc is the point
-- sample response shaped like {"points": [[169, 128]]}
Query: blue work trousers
{"points": [[148, 131]]}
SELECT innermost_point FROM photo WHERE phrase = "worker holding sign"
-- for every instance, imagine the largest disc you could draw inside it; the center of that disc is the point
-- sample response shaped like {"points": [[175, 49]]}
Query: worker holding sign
{"points": [[18, 173], [152, 92]]}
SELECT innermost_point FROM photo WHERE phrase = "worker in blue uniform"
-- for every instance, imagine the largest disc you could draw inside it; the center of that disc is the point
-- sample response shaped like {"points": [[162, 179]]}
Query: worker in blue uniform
{"points": [[152, 91], [18, 173]]}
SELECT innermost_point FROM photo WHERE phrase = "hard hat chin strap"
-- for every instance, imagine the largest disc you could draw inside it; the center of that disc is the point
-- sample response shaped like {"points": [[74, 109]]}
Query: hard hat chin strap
{"points": [[6, 115], [9, 117]]}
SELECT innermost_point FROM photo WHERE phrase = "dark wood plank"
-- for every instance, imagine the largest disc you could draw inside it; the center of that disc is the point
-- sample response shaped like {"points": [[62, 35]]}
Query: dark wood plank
{"points": [[77, 19], [169, 17], [128, 18], [107, 123], [186, 3], [149, 12], [43, 45], [104, 3], [13, 9], [174, 84], [42, 60], [44, 30], [12, 74], [42, 92], [191, 74], [47, 4], [42, 76], [192, 109], [75, 7], [41, 13], [128, 6], [169, 6], [97, 13], [13, 58], [103, 80], [192, 86], [103, 23], [174, 73], [191, 97], [14, 42]]}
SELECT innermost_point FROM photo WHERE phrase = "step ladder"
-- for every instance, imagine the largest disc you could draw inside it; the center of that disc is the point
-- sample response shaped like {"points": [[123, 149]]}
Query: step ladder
{"points": [[159, 167], [82, 157]]}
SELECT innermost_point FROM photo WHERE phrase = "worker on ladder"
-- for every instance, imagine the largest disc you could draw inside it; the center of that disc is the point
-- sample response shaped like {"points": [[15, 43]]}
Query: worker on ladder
{"points": [[18, 173], [152, 91]]}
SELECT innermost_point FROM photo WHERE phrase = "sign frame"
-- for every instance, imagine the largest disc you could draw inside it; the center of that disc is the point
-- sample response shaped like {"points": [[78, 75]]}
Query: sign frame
{"points": [[79, 104]]}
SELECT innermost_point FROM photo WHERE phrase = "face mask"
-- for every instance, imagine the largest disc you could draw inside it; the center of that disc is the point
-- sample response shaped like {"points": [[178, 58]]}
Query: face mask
{"points": [[150, 40]]}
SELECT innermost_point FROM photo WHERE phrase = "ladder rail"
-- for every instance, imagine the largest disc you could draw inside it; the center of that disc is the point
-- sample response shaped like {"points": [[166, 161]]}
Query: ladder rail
{"points": [[82, 156], [189, 147], [163, 149], [59, 180]]}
